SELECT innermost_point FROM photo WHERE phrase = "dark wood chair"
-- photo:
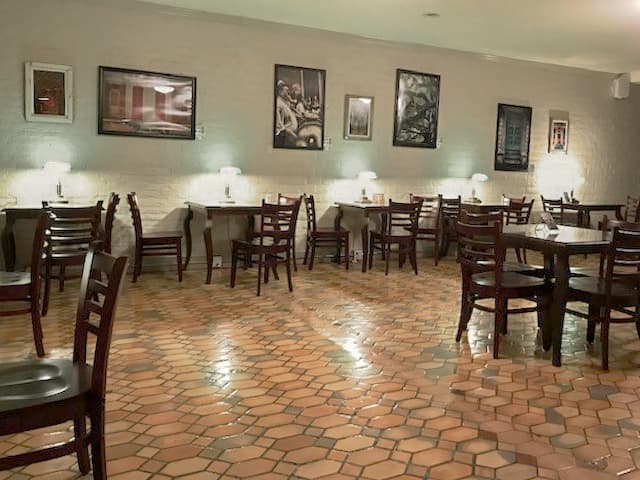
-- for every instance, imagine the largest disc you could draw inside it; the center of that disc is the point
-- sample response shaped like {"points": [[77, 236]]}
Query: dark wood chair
{"points": [[24, 288], [482, 258], [277, 226], [291, 200], [430, 222], [554, 207], [152, 244], [451, 208], [617, 289], [322, 237], [72, 229], [42, 393], [399, 227], [519, 213], [632, 210], [112, 206]]}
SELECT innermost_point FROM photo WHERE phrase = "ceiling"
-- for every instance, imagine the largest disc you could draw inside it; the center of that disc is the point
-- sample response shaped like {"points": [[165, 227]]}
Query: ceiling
{"points": [[601, 35]]}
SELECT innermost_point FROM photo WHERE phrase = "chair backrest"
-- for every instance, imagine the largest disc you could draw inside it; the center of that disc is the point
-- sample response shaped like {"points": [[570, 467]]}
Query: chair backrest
{"points": [[431, 212], [99, 289], [112, 205], [132, 199], [451, 207], [632, 210], [278, 222], [519, 212], [554, 207], [481, 218], [401, 219], [72, 230], [310, 208], [480, 249], [291, 200], [623, 255], [39, 251], [515, 199]]}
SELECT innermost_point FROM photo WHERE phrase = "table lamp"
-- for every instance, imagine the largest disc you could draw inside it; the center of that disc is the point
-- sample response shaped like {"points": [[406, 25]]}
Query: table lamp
{"points": [[57, 169], [228, 173], [364, 177], [475, 179]]}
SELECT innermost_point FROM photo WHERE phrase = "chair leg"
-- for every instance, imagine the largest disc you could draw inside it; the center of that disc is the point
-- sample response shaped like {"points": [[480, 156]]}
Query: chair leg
{"points": [[267, 267], [293, 254], [372, 251], [260, 262], [306, 252], [98, 458], [61, 278], [466, 309], [289, 281], [505, 320], [137, 266], [519, 255], [413, 257], [524, 255], [313, 255], [386, 260], [591, 323], [604, 339], [500, 315], [346, 255], [234, 266], [47, 290], [82, 449], [179, 258], [37, 329], [436, 251]]}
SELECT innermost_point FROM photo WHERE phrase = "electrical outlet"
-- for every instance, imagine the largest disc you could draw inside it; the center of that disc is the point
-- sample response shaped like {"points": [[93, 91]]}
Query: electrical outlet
{"points": [[357, 255], [217, 261]]}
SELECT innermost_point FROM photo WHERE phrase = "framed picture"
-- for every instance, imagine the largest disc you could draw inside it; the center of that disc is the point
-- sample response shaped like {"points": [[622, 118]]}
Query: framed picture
{"points": [[48, 95], [298, 108], [513, 134], [558, 136], [146, 104], [416, 110], [358, 116]]}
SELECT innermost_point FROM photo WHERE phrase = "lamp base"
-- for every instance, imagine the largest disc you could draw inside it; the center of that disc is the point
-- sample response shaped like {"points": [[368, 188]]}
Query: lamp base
{"points": [[228, 200], [364, 200]]}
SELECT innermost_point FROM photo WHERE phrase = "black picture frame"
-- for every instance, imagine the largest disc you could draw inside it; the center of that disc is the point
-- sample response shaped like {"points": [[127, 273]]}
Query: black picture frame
{"points": [[513, 137], [130, 104], [299, 111], [416, 109]]}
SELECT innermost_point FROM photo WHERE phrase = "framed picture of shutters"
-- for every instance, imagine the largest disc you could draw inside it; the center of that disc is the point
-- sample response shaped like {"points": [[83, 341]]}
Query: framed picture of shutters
{"points": [[513, 135], [146, 104]]}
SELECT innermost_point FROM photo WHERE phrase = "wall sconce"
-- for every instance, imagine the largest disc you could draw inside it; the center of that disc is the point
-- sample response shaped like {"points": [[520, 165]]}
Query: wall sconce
{"points": [[228, 173], [57, 169], [476, 178], [365, 177]]}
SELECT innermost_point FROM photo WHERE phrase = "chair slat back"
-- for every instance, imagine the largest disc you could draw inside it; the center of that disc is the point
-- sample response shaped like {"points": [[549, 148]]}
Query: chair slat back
{"points": [[431, 212], [481, 218], [291, 200], [39, 251], [73, 229], [277, 222], [99, 289], [132, 199], [632, 210], [554, 207], [402, 218], [519, 212], [112, 206], [310, 209], [480, 249], [451, 207], [623, 255]]}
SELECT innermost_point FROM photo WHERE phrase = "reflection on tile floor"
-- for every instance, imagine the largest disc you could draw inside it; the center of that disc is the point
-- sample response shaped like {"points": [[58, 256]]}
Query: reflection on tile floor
{"points": [[351, 376]]}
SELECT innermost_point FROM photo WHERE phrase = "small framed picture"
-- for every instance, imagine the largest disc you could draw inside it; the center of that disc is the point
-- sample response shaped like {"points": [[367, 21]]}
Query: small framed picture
{"points": [[558, 136], [358, 116], [48, 95]]}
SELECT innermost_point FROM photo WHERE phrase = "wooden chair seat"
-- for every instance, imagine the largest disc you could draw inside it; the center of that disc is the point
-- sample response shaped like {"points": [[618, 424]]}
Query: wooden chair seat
{"points": [[511, 281], [329, 232], [14, 279], [160, 236], [594, 288], [256, 248], [516, 267]]}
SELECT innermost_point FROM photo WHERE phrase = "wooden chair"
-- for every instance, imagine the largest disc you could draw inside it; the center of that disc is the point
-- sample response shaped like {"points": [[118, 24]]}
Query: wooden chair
{"points": [[399, 227], [152, 244], [24, 288], [519, 213], [616, 289], [632, 210], [73, 229], [112, 205], [482, 258], [42, 393], [322, 237], [451, 208], [554, 207], [430, 222], [289, 200], [277, 226]]}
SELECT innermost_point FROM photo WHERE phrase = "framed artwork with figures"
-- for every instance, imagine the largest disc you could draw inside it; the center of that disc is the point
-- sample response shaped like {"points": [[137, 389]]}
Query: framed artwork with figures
{"points": [[416, 109]]}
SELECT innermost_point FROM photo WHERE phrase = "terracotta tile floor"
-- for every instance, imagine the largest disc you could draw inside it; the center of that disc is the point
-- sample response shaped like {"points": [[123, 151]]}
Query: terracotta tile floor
{"points": [[351, 376]]}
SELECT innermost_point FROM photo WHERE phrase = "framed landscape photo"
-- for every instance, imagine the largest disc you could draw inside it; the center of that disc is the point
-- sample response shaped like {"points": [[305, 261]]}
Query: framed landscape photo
{"points": [[298, 108], [146, 104], [416, 109], [358, 117], [48, 95], [558, 136], [513, 135]]}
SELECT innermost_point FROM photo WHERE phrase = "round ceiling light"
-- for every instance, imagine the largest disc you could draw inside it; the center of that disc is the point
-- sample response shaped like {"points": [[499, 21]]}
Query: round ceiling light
{"points": [[431, 15]]}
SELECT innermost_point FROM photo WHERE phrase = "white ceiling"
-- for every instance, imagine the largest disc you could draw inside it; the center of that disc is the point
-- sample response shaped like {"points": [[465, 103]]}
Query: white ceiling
{"points": [[599, 35]]}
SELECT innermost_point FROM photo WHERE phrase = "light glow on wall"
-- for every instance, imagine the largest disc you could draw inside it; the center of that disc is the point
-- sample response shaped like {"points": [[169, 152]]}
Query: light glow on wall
{"points": [[557, 174]]}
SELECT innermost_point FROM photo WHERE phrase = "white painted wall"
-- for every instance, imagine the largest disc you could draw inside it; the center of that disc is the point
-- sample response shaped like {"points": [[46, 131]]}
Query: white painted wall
{"points": [[234, 60]]}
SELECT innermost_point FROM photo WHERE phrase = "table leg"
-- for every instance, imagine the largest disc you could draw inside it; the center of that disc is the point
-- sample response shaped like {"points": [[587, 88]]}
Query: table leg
{"points": [[549, 267], [337, 225], [559, 304], [580, 218], [619, 213], [208, 245], [365, 242], [187, 235], [9, 243]]}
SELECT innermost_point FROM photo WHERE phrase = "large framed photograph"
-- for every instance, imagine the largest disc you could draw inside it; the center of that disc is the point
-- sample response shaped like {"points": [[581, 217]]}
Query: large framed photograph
{"points": [[146, 104], [416, 110], [558, 136], [358, 117], [48, 95], [513, 135], [298, 108]]}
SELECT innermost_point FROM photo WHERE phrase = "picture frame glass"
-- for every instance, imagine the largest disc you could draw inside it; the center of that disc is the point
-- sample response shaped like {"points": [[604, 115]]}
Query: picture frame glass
{"points": [[358, 117], [416, 109], [298, 108]]}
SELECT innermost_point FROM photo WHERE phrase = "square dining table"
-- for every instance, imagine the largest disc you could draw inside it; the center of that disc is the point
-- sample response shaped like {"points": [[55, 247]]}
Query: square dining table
{"points": [[583, 211], [557, 247]]}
